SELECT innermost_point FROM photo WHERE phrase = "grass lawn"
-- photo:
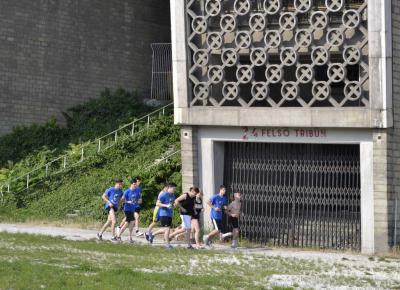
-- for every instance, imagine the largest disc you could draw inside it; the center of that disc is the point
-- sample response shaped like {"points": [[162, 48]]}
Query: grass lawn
{"points": [[41, 262]]}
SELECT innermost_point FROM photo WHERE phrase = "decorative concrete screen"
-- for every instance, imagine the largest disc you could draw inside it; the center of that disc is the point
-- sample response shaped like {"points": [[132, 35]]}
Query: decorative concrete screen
{"points": [[278, 53]]}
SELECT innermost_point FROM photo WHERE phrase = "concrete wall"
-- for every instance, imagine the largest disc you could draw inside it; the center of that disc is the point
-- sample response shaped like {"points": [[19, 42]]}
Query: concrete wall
{"points": [[58, 53]]}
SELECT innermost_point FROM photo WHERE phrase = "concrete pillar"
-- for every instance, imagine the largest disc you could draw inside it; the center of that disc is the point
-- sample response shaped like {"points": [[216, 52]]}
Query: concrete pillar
{"points": [[367, 198], [189, 157]]}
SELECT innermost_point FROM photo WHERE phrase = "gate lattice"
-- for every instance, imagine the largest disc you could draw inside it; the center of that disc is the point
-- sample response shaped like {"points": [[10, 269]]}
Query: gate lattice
{"points": [[299, 195]]}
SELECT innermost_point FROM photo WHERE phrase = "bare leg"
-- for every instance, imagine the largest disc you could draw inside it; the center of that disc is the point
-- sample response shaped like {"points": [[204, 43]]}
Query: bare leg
{"points": [[196, 228], [113, 221], [122, 222], [166, 235], [136, 221], [131, 224], [151, 226], [158, 232], [123, 228], [213, 233]]}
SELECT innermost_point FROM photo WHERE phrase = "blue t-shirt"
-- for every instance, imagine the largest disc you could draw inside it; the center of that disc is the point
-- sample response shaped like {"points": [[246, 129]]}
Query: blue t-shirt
{"points": [[113, 195], [131, 199], [166, 198], [218, 201]]}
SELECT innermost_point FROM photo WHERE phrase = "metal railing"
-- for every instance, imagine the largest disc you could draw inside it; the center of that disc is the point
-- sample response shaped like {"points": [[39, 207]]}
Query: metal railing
{"points": [[76, 156]]}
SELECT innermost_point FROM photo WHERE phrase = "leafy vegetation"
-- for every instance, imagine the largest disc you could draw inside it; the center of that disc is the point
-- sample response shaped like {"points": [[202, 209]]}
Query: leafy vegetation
{"points": [[79, 188], [83, 122]]}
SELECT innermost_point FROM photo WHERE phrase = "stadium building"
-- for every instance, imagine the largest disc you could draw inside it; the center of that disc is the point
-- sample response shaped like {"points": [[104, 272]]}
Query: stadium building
{"points": [[296, 105]]}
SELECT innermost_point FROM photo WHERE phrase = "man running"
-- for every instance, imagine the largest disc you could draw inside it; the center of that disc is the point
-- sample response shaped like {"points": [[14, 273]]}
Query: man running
{"points": [[233, 211], [138, 198], [166, 203], [217, 202], [130, 199], [136, 202], [156, 217], [186, 208], [111, 198]]}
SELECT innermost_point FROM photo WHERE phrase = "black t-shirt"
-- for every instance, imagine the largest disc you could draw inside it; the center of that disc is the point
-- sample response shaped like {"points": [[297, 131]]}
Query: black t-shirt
{"points": [[188, 205]]}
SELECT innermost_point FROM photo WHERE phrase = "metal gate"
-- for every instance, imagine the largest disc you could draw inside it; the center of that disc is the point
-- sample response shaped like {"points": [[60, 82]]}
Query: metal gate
{"points": [[161, 79], [299, 195]]}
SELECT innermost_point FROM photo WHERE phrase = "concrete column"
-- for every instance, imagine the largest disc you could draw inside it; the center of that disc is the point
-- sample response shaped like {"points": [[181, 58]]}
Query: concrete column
{"points": [[381, 191], [189, 148], [212, 172], [367, 198]]}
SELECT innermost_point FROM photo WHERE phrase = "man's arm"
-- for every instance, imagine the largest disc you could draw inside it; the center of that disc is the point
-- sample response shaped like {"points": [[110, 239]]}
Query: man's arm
{"points": [[209, 202], [178, 202], [105, 199], [160, 204]]}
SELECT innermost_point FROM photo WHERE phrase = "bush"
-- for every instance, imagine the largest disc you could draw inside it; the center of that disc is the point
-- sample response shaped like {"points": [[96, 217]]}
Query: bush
{"points": [[83, 122], [80, 188]]}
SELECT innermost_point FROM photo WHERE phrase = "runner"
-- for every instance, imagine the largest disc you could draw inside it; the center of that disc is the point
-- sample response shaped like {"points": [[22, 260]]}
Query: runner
{"points": [[111, 198], [198, 209], [137, 201], [217, 202], [130, 199], [138, 193], [166, 204], [186, 208], [156, 217], [233, 211]]}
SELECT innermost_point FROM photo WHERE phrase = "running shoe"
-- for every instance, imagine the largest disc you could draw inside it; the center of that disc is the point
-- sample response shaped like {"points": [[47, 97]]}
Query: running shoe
{"points": [[151, 238], [147, 236], [99, 237], [131, 241], [190, 247], [139, 234], [207, 241], [169, 247], [114, 239]]}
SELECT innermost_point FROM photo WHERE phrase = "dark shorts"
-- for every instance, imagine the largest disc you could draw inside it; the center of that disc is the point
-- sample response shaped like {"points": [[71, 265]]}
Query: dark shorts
{"points": [[166, 221], [137, 210], [130, 217], [107, 209], [217, 224], [195, 217], [234, 222]]}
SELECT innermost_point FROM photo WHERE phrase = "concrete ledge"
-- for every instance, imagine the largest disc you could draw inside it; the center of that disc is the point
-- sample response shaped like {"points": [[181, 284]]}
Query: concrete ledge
{"points": [[282, 117]]}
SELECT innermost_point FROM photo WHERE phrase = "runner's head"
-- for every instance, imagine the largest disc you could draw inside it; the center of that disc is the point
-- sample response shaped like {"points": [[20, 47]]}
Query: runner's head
{"points": [[222, 190], [237, 196], [134, 183], [138, 180], [171, 188], [165, 187], [193, 191], [118, 183]]}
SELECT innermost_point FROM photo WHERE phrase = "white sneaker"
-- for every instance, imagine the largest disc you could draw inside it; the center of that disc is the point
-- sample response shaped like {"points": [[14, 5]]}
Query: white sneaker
{"points": [[139, 234], [224, 236]]}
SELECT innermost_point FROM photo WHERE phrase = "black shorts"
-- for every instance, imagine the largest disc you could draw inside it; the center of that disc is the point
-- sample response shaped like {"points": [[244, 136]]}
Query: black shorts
{"points": [[195, 217], [165, 221], [234, 222], [130, 217], [109, 208], [217, 224], [137, 210]]}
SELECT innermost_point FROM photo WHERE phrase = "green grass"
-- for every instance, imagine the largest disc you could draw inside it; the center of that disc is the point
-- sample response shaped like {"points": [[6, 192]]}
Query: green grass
{"points": [[40, 262]]}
